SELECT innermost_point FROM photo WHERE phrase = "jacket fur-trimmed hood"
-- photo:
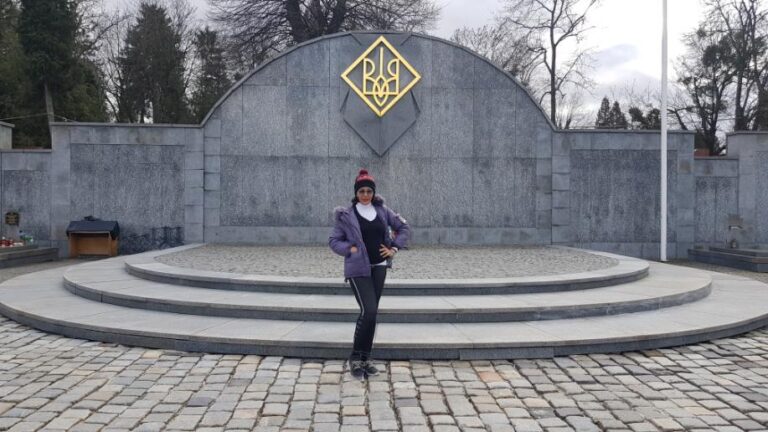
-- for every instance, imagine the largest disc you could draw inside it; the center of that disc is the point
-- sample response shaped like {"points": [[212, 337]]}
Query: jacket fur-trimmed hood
{"points": [[378, 201]]}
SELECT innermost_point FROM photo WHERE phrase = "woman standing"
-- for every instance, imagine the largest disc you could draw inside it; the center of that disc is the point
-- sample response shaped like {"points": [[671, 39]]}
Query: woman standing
{"points": [[361, 236]]}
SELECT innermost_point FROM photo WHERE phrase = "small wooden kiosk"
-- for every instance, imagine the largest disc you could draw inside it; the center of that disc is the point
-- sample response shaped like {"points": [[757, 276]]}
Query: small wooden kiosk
{"points": [[93, 237]]}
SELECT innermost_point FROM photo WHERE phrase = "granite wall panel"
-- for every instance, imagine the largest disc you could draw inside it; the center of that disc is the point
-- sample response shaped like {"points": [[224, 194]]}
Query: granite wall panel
{"points": [[451, 123], [761, 196], [26, 189], [615, 195], [273, 191], [265, 131], [309, 65], [139, 186], [716, 201], [306, 122]]}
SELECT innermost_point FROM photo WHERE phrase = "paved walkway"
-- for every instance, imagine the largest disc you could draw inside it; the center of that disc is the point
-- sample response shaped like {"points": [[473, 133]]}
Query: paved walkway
{"points": [[423, 262], [55, 383]]}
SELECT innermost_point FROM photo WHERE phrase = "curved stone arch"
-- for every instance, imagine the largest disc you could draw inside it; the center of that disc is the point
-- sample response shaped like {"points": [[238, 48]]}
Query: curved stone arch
{"points": [[472, 165], [290, 50]]}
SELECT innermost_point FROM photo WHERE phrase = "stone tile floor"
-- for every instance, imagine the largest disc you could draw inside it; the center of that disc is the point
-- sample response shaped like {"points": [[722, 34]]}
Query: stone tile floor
{"points": [[50, 382]]}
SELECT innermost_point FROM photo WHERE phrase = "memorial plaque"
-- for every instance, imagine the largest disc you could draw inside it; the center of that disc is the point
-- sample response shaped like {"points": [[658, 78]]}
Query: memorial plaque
{"points": [[12, 218]]}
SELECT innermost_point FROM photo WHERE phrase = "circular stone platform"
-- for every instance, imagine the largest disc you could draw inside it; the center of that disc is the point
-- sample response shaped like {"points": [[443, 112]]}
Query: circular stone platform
{"points": [[443, 262], [629, 305]]}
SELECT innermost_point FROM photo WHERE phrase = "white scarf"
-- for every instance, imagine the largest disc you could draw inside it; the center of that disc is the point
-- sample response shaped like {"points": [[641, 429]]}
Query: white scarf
{"points": [[366, 211]]}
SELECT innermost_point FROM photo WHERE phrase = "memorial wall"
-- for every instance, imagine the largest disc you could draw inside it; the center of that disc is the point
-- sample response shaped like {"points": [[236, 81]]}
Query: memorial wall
{"points": [[457, 146]]}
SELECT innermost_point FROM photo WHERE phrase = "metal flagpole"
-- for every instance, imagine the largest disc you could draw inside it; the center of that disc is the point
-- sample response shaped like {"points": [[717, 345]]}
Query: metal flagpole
{"points": [[663, 253]]}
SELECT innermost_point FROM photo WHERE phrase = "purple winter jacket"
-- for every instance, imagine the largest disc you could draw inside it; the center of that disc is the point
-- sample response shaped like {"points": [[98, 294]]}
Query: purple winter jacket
{"points": [[346, 233]]}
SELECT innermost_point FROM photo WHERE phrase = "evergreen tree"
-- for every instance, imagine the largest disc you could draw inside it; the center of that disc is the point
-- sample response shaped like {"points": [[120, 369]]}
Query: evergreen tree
{"points": [[603, 115], [648, 121], [152, 70], [212, 81], [15, 85], [46, 68], [653, 118], [616, 118], [47, 31], [12, 75]]}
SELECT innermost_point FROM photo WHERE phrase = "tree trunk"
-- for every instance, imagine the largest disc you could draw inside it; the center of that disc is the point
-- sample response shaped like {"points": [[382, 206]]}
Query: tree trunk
{"points": [[739, 123], [761, 117], [553, 87], [298, 27], [553, 68], [48, 103], [339, 13]]}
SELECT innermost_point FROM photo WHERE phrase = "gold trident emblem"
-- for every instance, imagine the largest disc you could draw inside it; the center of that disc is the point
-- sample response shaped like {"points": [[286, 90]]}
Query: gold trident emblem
{"points": [[381, 88], [381, 84]]}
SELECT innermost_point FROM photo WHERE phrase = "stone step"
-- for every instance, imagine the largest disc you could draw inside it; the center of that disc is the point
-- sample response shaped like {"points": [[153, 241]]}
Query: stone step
{"points": [[22, 255], [39, 300], [146, 267], [754, 263], [666, 286]]}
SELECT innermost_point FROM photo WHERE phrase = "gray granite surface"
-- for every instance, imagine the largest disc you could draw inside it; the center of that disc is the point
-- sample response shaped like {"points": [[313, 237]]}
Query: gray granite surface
{"points": [[420, 263]]}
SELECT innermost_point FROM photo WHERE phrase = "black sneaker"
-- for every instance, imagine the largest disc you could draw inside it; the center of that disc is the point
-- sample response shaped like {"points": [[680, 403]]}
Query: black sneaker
{"points": [[357, 369], [370, 369]]}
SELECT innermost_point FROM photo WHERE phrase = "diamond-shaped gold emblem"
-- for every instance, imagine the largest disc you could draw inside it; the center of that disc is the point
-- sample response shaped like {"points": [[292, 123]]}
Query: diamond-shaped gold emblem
{"points": [[381, 83]]}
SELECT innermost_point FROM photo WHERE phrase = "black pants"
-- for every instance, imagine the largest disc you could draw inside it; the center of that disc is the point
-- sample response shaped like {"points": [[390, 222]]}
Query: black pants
{"points": [[367, 293]]}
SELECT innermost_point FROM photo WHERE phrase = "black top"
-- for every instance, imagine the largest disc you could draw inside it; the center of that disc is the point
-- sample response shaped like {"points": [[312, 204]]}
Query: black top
{"points": [[86, 226], [373, 236]]}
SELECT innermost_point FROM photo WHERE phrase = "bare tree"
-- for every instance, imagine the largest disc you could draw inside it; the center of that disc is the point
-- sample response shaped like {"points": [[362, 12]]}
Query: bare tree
{"points": [[114, 25], [554, 23], [571, 114], [680, 108], [257, 29], [743, 24], [504, 46], [706, 73], [182, 14]]}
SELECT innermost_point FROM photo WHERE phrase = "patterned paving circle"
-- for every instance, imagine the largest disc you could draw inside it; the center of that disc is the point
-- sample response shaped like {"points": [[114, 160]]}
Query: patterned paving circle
{"points": [[442, 262]]}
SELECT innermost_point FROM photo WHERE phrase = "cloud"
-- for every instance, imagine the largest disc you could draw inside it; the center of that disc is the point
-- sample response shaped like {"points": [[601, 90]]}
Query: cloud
{"points": [[615, 55], [631, 87]]}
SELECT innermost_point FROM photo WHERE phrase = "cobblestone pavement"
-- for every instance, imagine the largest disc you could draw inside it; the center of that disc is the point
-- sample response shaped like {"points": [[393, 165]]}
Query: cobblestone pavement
{"points": [[422, 262], [50, 382]]}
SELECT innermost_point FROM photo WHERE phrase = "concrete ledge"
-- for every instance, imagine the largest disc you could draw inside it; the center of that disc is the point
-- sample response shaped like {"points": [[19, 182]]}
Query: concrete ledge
{"points": [[146, 267]]}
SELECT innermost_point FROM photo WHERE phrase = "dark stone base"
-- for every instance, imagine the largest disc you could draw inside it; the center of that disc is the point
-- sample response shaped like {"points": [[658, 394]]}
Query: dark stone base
{"points": [[755, 260], [22, 255]]}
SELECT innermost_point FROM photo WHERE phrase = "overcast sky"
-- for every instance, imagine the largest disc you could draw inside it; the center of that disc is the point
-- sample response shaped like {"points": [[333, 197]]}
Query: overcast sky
{"points": [[626, 35], [625, 38]]}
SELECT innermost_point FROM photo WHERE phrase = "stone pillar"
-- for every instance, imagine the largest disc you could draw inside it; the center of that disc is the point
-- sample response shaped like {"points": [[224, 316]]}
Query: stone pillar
{"points": [[60, 187], [751, 149], [6, 136], [193, 186]]}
